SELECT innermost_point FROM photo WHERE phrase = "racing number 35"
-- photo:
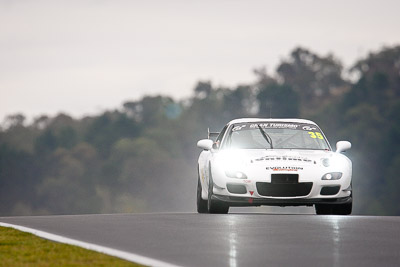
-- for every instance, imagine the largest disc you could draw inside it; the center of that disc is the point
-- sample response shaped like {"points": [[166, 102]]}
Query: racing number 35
{"points": [[316, 135]]}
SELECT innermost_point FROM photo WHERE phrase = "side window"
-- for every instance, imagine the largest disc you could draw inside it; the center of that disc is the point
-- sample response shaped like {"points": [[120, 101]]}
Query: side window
{"points": [[220, 136]]}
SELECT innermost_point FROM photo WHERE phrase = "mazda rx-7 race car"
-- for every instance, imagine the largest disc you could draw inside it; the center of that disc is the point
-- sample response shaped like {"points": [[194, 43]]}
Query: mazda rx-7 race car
{"points": [[278, 162]]}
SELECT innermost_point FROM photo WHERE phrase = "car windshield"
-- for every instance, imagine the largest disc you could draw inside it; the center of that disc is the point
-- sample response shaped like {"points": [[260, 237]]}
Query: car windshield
{"points": [[275, 135]]}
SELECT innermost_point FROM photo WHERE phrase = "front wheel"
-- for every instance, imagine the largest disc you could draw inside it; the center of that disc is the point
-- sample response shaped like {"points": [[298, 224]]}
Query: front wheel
{"points": [[343, 209], [335, 209], [201, 203], [215, 206]]}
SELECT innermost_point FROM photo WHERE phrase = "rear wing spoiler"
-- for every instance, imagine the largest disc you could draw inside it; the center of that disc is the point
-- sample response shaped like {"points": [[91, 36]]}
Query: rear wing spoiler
{"points": [[211, 134]]}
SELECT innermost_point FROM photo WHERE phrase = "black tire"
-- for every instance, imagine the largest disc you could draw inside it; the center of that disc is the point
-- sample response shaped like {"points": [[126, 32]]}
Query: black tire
{"points": [[343, 209], [215, 206], [323, 209], [335, 209], [201, 203]]}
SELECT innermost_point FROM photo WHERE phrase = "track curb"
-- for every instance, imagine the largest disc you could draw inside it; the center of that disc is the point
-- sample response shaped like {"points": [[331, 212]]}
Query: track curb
{"points": [[105, 250]]}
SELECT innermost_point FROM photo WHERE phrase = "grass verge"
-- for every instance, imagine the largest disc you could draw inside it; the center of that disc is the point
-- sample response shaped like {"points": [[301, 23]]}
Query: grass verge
{"points": [[24, 249]]}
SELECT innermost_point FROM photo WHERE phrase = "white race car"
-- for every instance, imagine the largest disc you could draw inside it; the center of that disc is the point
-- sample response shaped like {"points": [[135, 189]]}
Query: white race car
{"points": [[278, 162]]}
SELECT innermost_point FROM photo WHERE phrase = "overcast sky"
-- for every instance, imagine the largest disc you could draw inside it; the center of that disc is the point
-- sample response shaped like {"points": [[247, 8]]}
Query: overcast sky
{"points": [[82, 57]]}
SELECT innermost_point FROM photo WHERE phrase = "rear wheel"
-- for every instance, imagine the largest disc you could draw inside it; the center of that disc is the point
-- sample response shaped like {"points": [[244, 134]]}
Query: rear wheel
{"points": [[215, 206], [201, 203]]}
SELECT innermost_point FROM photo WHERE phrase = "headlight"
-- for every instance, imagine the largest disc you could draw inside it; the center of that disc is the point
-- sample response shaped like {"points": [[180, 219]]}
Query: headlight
{"points": [[332, 176], [232, 162], [235, 174], [326, 162], [332, 162]]}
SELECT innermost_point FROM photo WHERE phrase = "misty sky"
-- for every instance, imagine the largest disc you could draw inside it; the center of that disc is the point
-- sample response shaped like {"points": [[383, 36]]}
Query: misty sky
{"points": [[82, 57]]}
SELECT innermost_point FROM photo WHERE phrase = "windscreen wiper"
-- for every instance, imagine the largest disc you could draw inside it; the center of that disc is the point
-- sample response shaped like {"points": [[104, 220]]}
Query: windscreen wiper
{"points": [[266, 136]]}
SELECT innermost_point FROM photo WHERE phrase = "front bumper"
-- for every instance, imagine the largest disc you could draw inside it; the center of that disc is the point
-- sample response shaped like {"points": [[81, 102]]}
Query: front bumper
{"points": [[250, 201]]}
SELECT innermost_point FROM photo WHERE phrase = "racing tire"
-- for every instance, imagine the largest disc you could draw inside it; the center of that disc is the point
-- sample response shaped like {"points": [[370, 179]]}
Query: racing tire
{"points": [[201, 203], [323, 209], [215, 206], [343, 209], [335, 209]]}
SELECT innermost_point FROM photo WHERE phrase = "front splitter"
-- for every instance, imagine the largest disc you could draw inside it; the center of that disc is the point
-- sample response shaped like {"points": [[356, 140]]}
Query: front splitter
{"points": [[248, 201]]}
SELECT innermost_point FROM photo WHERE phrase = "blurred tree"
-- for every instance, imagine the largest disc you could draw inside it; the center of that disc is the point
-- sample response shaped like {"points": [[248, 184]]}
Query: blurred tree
{"points": [[18, 136], [239, 103], [153, 110], [278, 101], [379, 81], [19, 172], [389, 195], [108, 128], [14, 120], [41, 122], [67, 137], [203, 89], [67, 186], [313, 77], [46, 142]]}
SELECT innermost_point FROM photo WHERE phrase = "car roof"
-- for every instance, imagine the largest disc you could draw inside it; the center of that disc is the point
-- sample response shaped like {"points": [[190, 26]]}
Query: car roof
{"points": [[244, 120]]}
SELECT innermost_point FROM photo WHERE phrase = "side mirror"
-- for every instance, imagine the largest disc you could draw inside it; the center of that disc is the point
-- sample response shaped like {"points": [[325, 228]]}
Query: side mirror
{"points": [[342, 146], [205, 144]]}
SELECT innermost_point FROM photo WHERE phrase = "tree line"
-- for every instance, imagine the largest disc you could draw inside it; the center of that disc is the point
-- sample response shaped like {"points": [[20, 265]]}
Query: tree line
{"points": [[142, 156]]}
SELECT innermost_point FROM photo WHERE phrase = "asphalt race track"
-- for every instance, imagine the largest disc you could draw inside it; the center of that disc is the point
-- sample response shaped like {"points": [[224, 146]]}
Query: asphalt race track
{"points": [[188, 239]]}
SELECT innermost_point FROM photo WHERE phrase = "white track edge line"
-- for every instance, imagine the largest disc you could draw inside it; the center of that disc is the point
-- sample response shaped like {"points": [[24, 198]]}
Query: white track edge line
{"points": [[105, 250]]}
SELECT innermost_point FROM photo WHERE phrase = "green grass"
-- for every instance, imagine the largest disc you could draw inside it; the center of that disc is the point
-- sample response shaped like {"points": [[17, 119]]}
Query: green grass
{"points": [[23, 249]]}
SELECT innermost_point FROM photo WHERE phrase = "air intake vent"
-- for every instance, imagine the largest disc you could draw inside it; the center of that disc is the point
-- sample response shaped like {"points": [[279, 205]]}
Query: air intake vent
{"points": [[330, 190], [236, 189], [283, 190], [284, 178]]}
